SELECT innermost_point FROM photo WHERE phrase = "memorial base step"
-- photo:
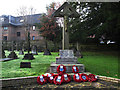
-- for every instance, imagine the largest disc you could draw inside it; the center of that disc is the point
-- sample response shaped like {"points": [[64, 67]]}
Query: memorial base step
{"points": [[53, 67], [60, 60]]}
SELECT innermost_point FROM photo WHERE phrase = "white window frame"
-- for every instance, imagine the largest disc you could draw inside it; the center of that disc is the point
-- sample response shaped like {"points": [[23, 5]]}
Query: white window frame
{"points": [[5, 28], [34, 27]]}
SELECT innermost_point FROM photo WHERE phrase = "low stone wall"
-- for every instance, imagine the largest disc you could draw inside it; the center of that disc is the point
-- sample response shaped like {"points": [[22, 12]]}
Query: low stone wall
{"points": [[33, 80], [18, 81]]}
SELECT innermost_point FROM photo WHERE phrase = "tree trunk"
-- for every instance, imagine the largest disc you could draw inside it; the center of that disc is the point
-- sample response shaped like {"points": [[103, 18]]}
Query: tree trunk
{"points": [[46, 46]]}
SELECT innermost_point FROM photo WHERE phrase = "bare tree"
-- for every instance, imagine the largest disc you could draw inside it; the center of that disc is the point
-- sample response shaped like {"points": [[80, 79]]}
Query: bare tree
{"points": [[26, 19]]}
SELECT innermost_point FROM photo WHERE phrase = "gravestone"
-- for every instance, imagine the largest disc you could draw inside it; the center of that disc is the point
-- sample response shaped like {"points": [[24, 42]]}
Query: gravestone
{"points": [[3, 52], [12, 54], [21, 52], [28, 57], [78, 54], [47, 52], [34, 50], [25, 64]]}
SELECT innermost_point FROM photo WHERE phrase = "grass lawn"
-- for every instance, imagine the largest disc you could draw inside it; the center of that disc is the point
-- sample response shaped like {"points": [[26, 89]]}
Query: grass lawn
{"points": [[40, 64], [100, 63], [103, 63]]}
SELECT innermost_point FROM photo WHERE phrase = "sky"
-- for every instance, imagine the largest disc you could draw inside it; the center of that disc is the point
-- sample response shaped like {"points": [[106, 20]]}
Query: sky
{"points": [[10, 7]]}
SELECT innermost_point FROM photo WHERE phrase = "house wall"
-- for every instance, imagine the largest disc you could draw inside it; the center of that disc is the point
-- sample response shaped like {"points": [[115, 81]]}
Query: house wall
{"points": [[11, 33]]}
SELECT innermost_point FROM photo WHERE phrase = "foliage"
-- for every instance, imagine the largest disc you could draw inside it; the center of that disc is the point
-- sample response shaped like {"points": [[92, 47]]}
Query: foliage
{"points": [[48, 26], [96, 19]]}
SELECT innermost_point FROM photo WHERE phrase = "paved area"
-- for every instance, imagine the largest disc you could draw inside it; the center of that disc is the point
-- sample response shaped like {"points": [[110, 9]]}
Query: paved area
{"points": [[100, 84], [6, 59]]}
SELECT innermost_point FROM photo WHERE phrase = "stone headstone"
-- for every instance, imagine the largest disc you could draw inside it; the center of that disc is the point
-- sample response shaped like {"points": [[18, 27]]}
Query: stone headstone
{"points": [[47, 52], [13, 55], [25, 65], [34, 50], [21, 52], [3, 53], [78, 54], [28, 56]]}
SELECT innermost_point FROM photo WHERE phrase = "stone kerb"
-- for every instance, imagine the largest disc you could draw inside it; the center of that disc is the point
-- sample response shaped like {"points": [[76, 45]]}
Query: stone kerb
{"points": [[33, 80]]}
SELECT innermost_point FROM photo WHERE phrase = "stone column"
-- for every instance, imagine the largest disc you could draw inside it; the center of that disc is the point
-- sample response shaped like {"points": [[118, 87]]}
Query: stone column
{"points": [[65, 44]]}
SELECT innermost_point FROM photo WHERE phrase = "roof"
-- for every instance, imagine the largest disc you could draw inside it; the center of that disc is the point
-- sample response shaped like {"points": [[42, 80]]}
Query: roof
{"points": [[11, 20]]}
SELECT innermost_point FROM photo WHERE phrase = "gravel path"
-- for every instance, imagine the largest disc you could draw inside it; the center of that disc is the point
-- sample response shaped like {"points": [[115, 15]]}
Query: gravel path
{"points": [[100, 84]]}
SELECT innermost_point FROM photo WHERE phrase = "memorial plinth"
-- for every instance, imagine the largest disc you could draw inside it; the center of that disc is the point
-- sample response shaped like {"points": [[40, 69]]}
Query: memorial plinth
{"points": [[68, 59]]}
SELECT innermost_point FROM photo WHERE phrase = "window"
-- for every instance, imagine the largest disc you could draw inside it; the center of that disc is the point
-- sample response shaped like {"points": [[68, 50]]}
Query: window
{"points": [[21, 21], [33, 37], [18, 34], [33, 27], [5, 28], [5, 38], [2, 19]]}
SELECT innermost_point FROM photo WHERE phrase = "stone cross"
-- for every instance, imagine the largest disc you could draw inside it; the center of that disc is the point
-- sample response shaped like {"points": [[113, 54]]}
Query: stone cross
{"points": [[65, 11], [13, 45]]}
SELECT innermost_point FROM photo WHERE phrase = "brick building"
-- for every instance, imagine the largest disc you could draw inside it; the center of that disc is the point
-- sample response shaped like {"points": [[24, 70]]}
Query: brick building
{"points": [[14, 28]]}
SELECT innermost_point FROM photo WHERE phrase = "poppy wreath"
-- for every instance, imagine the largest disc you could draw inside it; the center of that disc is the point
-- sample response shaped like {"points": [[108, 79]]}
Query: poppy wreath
{"points": [[58, 80], [49, 74], [41, 79], [75, 69], [76, 77], [84, 77], [66, 78], [92, 77], [61, 69], [50, 77]]}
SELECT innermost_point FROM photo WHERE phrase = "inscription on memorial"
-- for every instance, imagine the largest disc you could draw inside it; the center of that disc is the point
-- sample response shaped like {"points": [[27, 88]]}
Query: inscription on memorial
{"points": [[66, 54]]}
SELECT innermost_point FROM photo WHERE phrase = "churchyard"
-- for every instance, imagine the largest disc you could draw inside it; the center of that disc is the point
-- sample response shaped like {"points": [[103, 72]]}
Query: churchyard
{"points": [[91, 67], [103, 63]]}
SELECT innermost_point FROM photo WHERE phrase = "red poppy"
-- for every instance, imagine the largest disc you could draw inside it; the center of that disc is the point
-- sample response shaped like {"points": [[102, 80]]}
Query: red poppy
{"points": [[92, 77], [66, 78], [49, 77], [83, 77], [61, 69], [76, 77], [58, 80], [41, 79], [75, 69]]}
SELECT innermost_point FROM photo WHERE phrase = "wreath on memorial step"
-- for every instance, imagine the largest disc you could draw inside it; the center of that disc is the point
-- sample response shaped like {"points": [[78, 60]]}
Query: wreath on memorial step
{"points": [[66, 78], [58, 80], [84, 77], [75, 69], [49, 77], [61, 69], [76, 77], [92, 77], [61, 77], [41, 79]]}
